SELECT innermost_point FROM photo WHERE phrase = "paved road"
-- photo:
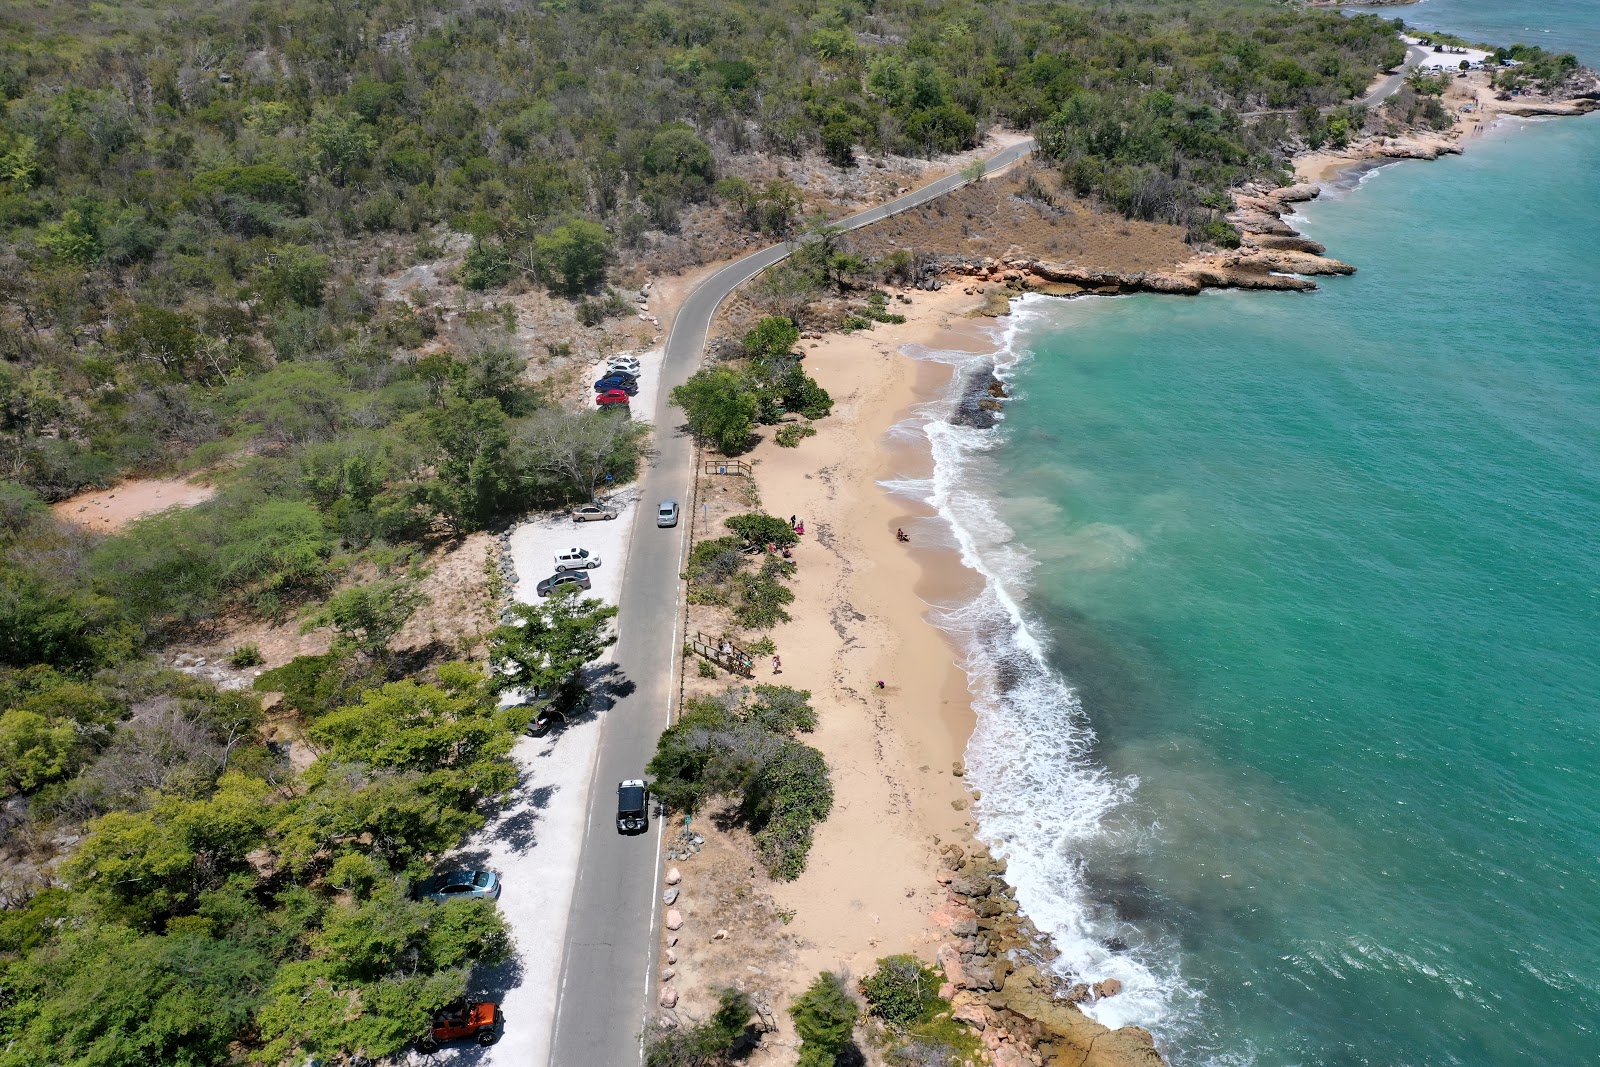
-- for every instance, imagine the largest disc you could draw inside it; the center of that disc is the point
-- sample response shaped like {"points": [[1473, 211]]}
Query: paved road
{"points": [[607, 987], [1415, 54]]}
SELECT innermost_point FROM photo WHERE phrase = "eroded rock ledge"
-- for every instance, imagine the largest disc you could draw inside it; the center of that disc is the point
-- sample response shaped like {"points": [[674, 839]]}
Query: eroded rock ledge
{"points": [[996, 979], [1271, 255]]}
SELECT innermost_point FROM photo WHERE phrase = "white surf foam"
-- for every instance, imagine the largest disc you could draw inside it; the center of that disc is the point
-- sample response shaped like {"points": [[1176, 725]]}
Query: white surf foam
{"points": [[1045, 801]]}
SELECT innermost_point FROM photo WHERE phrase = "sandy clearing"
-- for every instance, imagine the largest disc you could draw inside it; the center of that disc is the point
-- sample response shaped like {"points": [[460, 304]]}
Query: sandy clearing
{"points": [[105, 510]]}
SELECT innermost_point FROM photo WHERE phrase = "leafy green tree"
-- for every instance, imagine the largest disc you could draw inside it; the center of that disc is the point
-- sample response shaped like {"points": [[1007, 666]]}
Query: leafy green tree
{"points": [[839, 144], [824, 1018], [368, 616], [143, 867], [746, 752], [293, 276], [76, 238], [771, 338], [341, 144], [266, 182], [487, 266], [677, 159], [35, 750], [104, 994], [543, 646], [410, 726], [472, 438], [721, 410], [572, 258]]}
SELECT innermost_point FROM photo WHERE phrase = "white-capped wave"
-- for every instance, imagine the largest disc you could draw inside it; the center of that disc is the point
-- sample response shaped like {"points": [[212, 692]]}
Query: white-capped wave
{"points": [[1045, 800]]}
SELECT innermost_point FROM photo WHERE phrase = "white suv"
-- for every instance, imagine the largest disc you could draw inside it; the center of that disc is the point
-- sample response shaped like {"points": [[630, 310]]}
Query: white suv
{"points": [[576, 559], [623, 365]]}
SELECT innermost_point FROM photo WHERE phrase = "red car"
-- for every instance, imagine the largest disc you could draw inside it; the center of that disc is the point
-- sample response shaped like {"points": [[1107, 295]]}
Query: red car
{"points": [[479, 1021], [612, 396]]}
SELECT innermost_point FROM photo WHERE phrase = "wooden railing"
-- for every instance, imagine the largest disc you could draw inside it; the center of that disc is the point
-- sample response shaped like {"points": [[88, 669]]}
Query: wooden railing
{"points": [[724, 653], [728, 466]]}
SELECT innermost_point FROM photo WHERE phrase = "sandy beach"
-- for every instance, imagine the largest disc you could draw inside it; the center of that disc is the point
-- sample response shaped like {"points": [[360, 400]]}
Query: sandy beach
{"points": [[860, 616]]}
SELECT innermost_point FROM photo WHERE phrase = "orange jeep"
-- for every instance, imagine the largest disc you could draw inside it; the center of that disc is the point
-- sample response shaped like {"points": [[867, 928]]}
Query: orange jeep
{"points": [[479, 1021]]}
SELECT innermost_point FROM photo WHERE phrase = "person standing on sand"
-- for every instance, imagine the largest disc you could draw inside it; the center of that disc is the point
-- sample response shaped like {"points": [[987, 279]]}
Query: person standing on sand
{"points": [[777, 667]]}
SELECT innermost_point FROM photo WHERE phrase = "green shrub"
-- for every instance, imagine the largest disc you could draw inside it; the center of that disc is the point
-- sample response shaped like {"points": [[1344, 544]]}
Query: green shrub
{"points": [[762, 595], [487, 266], [903, 992], [759, 531], [709, 1044], [245, 656], [825, 1019], [707, 669]]}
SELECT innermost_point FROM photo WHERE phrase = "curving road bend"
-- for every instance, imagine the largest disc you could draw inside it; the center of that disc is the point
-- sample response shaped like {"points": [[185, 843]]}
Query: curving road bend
{"points": [[1415, 54], [607, 985]]}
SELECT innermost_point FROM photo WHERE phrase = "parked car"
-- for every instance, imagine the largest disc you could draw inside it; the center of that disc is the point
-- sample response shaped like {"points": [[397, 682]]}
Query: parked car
{"points": [[632, 798], [542, 725], [592, 513], [479, 1021], [623, 365], [556, 581], [461, 885], [576, 559], [612, 396], [667, 513], [617, 381]]}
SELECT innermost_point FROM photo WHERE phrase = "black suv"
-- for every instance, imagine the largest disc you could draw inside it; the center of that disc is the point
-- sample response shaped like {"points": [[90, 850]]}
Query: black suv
{"points": [[632, 797]]}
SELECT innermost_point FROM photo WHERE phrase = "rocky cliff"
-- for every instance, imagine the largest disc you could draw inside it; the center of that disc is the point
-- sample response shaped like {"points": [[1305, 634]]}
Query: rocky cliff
{"points": [[995, 964]]}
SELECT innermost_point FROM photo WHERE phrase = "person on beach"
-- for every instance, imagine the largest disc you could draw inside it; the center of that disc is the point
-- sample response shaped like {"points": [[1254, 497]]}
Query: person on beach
{"points": [[777, 667], [880, 683], [791, 522], [900, 535], [800, 528]]}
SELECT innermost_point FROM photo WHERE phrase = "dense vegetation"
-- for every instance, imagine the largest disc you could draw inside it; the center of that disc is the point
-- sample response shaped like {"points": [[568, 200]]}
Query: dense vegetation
{"points": [[223, 898], [741, 748], [193, 204]]}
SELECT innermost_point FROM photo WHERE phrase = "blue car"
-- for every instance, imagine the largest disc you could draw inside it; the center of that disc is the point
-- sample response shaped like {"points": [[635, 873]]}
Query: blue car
{"points": [[626, 382], [461, 885]]}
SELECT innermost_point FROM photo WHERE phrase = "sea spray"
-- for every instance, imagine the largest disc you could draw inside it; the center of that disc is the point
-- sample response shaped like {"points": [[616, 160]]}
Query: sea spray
{"points": [[1045, 801]]}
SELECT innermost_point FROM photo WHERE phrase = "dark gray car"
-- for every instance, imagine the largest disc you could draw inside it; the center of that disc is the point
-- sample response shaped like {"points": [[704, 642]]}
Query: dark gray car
{"points": [[556, 581]]}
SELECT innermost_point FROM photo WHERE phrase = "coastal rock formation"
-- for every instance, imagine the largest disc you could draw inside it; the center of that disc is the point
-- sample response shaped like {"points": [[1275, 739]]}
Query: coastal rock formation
{"points": [[996, 966]]}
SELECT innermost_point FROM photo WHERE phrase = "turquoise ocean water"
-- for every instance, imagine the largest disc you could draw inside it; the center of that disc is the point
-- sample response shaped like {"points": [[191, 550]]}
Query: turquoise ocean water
{"points": [[1289, 665]]}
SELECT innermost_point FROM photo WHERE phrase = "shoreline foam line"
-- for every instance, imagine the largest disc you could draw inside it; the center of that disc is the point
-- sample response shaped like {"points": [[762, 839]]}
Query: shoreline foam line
{"points": [[1045, 802]]}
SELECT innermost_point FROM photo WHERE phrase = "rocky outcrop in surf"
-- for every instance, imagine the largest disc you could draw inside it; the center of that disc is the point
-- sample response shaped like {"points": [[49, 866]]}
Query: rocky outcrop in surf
{"points": [[997, 978]]}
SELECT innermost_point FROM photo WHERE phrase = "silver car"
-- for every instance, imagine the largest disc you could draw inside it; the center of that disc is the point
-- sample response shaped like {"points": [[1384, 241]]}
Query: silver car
{"points": [[667, 513], [592, 513]]}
